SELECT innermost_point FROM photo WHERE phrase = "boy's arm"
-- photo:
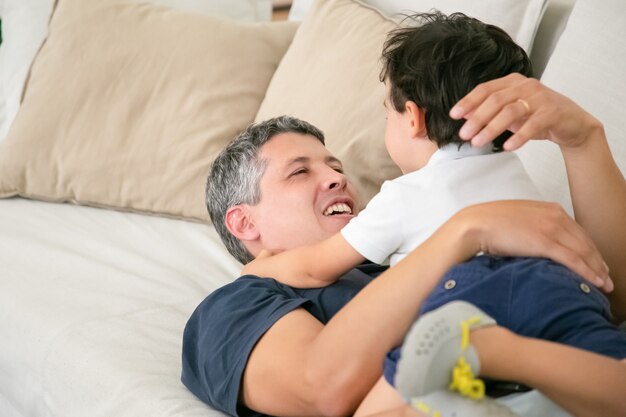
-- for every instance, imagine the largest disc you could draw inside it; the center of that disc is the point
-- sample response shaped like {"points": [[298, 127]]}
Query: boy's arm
{"points": [[310, 266]]}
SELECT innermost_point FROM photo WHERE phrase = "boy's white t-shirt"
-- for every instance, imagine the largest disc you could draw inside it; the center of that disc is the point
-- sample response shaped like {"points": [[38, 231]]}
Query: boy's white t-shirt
{"points": [[408, 209]]}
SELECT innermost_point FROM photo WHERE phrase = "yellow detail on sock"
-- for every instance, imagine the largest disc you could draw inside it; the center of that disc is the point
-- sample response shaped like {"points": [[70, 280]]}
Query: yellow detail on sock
{"points": [[420, 406], [465, 331], [464, 381]]}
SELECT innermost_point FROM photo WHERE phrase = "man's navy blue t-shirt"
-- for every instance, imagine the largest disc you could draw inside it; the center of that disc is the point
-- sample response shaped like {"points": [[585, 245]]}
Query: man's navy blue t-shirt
{"points": [[225, 327]]}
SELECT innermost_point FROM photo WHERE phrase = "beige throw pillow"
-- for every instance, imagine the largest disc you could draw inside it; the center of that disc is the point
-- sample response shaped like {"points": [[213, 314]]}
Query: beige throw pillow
{"points": [[128, 104], [329, 77]]}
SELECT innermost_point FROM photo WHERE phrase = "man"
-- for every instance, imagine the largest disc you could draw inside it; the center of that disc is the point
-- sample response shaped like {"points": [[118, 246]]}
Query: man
{"points": [[258, 345]]}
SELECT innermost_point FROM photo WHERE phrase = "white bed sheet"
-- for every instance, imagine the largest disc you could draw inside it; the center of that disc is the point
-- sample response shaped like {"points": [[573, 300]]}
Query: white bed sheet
{"points": [[92, 307]]}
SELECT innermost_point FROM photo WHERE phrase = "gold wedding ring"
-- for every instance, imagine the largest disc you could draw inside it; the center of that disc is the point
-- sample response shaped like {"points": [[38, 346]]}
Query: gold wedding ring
{"points": [[525, 104]]}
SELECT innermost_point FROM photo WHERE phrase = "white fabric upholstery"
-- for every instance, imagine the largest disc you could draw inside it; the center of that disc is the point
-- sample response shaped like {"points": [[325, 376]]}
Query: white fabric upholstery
{"points": [[550, 29], [24, 27], [92, 308], [242, 10], [519, 18], [588, 66]]}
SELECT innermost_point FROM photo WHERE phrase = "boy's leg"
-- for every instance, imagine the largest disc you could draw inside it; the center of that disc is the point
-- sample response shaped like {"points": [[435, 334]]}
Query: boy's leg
{"points": [[437, 367], [402, 411], [438, 345], [381, 398], [534, 297], [384, 400], [584, 383]]}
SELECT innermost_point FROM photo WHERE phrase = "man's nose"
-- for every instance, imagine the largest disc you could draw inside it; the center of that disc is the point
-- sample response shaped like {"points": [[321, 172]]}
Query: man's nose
{"points": [[335, 180]]}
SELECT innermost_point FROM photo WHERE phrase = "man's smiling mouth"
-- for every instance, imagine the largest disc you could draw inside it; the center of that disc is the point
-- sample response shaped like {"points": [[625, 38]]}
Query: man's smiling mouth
{"points": [[337, 208]]}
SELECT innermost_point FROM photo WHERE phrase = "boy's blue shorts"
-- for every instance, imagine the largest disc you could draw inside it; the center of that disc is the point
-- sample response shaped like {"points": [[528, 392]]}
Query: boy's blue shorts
{"points": [[532, 297]]}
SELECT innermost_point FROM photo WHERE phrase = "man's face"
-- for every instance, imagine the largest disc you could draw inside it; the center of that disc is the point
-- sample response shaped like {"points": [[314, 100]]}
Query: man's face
{"points": [[305, 197]]}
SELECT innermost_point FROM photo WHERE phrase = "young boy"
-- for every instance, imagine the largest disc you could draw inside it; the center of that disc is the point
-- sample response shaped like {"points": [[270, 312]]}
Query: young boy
{"points": [[427, 70]]}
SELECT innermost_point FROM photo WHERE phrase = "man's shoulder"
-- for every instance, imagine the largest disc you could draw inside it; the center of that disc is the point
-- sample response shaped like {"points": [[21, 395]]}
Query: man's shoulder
{"points": [[244, 290], [225, 327], [221, 333], [245, 283], [252, 298]]}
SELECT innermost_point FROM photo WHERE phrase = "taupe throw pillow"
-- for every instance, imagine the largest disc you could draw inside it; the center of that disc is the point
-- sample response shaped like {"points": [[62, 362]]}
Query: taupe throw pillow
{"points": [[330, 77], [128, 104]]}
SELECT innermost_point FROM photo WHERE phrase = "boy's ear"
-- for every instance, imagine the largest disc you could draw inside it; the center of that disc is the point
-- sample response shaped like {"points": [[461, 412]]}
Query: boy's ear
{"points": [[239, 223], [417, 119]]}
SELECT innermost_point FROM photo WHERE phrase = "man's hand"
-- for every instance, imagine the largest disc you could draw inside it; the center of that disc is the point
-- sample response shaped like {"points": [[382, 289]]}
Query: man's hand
{"points": [[532, 228], [525, 107]]}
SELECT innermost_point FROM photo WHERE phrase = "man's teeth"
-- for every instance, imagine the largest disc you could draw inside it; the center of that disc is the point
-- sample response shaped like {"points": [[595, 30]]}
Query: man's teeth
{"points": [[339, 208]]}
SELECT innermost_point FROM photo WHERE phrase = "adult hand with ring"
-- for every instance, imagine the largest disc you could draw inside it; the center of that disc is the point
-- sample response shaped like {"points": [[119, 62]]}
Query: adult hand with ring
{"points": [[525, 104], [525, 107]]}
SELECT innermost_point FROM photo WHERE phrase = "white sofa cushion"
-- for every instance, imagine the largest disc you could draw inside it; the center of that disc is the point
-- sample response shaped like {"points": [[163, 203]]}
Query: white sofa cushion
{"points": [[519, 18], [240, 10], [587, 65], [24, 27], [549, 31]]}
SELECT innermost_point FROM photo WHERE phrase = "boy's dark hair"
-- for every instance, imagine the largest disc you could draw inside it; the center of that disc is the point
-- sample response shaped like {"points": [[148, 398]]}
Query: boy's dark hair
{"points": [[439, 61]]}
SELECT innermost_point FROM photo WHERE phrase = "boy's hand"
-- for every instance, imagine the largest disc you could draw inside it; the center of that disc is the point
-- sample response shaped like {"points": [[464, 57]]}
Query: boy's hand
{"points": [[527, 108]]}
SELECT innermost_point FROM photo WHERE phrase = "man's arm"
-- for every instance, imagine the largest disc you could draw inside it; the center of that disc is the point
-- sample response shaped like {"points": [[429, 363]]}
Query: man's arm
{"points": [[597, 186], [302, 268], [300, 367], [598, 191]]}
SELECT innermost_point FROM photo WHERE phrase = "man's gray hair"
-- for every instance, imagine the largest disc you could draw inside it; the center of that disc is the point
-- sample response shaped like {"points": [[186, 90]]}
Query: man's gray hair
{"points": [[236, 173]]}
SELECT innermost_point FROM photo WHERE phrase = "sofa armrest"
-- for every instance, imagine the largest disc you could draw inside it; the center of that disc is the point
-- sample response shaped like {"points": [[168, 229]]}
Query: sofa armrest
{"points": [[550, 28]]}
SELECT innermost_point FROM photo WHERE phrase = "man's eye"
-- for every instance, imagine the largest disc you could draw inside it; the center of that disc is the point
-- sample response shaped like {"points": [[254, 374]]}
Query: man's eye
{"points": [[299, 171], [339, 170]]}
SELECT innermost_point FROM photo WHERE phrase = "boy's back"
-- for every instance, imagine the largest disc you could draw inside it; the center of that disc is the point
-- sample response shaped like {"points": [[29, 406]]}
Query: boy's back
{"points": [[410, 208]]}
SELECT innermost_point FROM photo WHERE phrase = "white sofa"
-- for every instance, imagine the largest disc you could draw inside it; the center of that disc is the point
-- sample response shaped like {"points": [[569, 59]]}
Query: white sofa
{"points": [[93, 300]]}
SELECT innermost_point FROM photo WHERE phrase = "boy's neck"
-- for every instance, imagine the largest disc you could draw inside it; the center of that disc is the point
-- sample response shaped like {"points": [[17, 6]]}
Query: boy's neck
{"points": [[458, 151]]}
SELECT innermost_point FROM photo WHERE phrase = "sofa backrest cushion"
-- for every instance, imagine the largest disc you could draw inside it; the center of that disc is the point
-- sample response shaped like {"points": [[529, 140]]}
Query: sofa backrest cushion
{"points": [[519, 18], [588, 65]]}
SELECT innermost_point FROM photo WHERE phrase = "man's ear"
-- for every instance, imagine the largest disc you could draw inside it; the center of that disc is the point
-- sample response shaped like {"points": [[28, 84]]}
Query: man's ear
{"points": [[239, 223], [416, 119]]}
